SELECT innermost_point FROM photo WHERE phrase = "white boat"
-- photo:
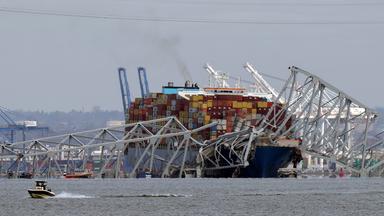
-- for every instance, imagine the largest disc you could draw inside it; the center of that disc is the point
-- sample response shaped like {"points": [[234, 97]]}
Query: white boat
{"points": [[41, 190]]}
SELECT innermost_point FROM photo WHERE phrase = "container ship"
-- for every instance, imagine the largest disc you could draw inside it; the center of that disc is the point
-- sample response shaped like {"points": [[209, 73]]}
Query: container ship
{"points": [[234, 109]]}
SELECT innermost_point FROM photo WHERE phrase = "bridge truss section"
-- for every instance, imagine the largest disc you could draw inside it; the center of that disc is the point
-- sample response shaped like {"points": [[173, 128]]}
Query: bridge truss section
{"points": [[160, 147], [331, 124], [227, 152]]}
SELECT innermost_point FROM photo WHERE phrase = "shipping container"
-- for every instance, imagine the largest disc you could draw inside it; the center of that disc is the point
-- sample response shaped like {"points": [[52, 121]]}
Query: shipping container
{"points": [[233, 112]]}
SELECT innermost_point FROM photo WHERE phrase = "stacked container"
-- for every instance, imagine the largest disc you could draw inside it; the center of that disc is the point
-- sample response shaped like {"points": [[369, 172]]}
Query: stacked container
{"points": [[231, 112]]}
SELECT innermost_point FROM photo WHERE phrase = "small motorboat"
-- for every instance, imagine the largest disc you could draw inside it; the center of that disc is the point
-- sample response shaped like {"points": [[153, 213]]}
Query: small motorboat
{"points": [[41, 190]]}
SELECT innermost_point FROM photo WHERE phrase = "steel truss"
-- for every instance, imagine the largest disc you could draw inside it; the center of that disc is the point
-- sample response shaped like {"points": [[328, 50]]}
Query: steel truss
{"points": [[231, 150], [331, 124], [54, 156]]}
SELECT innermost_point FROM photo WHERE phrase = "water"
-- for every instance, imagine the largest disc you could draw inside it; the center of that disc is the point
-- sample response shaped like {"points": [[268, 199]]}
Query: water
{"points": [[197, 197]]}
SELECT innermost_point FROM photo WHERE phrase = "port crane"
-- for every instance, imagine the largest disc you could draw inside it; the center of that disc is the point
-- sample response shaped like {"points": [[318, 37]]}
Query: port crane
{"points": [[144, 88], [125, 93], [13, 127]]}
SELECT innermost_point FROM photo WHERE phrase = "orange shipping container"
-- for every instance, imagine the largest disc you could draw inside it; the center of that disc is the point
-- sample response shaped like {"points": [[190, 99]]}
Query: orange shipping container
{"points": [[262, 104], [209, 103]]}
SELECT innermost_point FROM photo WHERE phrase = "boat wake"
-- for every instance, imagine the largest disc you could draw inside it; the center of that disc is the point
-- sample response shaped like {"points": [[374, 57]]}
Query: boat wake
{"points": [[148, 195], [68, 195], [164, 195]]}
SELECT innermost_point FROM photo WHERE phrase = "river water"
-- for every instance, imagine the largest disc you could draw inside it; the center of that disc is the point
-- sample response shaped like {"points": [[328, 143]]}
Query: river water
{"points": [[349, 196]]}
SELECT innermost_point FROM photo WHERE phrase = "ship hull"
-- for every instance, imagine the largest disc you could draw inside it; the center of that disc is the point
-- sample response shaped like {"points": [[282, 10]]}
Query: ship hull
{"points": [[265, 163]]}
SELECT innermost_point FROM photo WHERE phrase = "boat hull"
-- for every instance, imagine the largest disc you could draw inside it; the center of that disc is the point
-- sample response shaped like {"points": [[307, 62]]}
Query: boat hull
{"points": [[40, 194], [79, 175]]}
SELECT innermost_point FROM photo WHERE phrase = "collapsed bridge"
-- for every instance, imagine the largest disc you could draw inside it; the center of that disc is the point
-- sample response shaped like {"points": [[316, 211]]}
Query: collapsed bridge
{"points": [[307, 114]]}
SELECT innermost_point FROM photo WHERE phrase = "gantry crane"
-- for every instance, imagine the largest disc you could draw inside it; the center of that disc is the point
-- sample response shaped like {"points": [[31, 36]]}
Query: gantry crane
{"points": [[12, 127], [125, 93], [143, 81]]}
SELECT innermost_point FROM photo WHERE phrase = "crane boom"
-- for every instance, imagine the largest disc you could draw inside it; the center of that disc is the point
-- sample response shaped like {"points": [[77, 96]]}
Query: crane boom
{"points": [[125, 93], [262, 86], [220, 79], [143, 81]]}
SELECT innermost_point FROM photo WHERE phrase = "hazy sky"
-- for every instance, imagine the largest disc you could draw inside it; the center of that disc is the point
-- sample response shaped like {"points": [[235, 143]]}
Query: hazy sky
{"points": [[61, 62]]}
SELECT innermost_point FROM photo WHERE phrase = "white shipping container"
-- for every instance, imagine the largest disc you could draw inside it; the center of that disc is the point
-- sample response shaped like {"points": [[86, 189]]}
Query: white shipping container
{"points": [[115, 123], [27, 123]]}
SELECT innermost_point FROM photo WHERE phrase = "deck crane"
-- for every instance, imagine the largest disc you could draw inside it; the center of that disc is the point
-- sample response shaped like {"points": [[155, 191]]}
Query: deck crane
{"points": [[219, 79], [143, 81], [261, 85], [125, 93]]}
